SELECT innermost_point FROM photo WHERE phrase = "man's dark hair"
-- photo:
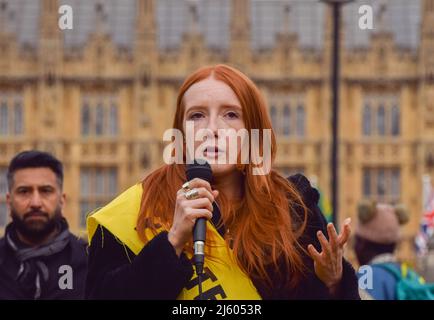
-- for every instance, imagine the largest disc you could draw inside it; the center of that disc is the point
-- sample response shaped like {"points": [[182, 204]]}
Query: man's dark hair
{"points": [[34, 159]]}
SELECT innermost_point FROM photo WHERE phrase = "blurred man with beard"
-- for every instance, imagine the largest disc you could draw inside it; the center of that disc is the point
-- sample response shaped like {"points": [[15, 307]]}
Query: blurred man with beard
{"points": [[39, 257]]}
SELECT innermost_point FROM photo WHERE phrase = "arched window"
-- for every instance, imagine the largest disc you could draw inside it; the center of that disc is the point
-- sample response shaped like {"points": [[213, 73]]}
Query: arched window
{"points": [[367, 120], [300, 120], [4, 120], [85, 119], [286, 120], [113, 119], [396, 118], [99, 119], [381, 121], [381, 184], [18, 117], [367, 183], [395, 184]]}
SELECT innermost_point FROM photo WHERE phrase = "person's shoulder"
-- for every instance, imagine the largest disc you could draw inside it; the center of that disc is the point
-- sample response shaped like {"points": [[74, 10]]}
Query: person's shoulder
{"points": [[382, 274], [77, 241], [127, 200], [119, 217], [310, 197], [384, 283], [309, 194], [78, 246]]}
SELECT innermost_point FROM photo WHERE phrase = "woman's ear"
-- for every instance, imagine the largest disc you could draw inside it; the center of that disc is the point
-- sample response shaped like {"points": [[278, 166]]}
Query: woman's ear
{"points": [[366, 210], [401, 212]]}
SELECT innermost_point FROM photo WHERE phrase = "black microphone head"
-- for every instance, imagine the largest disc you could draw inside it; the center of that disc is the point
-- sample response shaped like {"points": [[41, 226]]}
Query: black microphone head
{"points": [[199, 169]]}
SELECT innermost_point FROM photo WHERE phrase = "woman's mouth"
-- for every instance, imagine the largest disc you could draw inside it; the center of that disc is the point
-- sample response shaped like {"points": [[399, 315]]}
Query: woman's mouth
{"points": [[212, 152]]}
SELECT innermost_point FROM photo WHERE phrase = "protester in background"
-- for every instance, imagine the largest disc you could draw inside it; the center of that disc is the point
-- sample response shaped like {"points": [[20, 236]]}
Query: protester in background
{"points": [[272, 241], [39, 257], [377, 235]]}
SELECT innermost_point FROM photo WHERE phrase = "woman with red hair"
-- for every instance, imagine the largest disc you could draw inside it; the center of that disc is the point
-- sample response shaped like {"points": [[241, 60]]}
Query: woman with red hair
{"points": [[271, 241]]}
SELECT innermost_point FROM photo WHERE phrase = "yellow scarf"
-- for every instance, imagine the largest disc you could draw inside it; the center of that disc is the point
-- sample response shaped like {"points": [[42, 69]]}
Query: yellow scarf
{"points": [[223, 280]]}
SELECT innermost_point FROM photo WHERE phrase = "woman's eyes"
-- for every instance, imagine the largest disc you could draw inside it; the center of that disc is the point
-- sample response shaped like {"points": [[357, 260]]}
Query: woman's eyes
{"points": [[199, 115], [232, 115], [195, 115]]}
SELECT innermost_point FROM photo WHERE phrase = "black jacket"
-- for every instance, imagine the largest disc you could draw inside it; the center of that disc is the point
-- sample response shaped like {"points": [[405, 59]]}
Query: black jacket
{"points": [[157, 272], [73, 255]]}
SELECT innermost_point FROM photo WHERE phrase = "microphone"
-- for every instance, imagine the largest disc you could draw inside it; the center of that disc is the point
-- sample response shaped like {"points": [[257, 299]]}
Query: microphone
{"points": [[200, 169]]}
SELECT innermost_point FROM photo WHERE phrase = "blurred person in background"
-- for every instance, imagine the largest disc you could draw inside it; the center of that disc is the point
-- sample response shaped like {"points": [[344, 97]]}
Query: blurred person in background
{"points": [[377, 235], [39, 257]]}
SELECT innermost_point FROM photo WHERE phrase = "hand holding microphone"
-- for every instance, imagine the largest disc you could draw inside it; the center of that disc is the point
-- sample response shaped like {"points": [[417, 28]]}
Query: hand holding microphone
{"points": [[188, 210]]}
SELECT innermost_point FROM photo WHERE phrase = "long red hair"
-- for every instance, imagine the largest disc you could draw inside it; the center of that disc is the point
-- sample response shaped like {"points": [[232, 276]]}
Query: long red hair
{"points": [[262, 227]]}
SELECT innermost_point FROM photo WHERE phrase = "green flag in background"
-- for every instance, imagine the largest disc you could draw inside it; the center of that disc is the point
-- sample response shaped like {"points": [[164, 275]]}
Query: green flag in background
{"points": [[324, 203], [325, 206]]}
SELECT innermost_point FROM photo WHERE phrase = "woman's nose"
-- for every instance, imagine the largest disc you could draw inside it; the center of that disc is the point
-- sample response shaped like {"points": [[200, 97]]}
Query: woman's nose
{"points": [[214, 125]]}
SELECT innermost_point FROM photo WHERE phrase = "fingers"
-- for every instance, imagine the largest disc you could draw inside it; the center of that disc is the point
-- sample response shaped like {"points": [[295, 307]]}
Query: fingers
{"points": [[345, 234], [194, 214], [328, 263], [331, 245], [315, 255], [325, 245], [333, 236], [203, 187], [215, 193], [200, 203], [199, 183], [203, 192]]}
